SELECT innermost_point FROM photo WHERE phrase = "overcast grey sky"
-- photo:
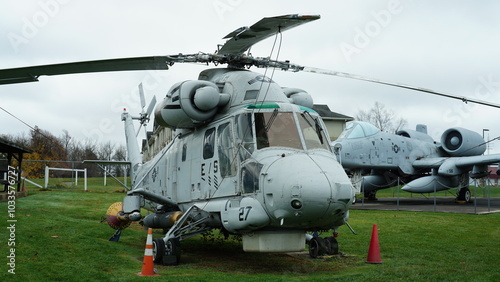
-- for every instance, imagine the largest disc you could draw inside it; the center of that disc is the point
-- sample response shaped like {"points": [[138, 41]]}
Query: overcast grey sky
{"points": [[448, 46]]}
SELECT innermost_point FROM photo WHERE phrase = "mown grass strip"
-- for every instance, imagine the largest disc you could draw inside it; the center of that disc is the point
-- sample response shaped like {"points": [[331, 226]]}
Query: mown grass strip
{"points": [[59, 236]]}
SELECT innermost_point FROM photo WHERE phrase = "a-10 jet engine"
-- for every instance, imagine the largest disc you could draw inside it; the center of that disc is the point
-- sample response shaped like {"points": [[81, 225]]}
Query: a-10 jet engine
{"points": [[461, 142], [455, 142]]}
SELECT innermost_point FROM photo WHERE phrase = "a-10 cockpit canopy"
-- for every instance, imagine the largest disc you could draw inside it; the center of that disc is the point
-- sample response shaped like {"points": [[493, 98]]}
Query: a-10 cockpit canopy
{"points": [[358, 129]]}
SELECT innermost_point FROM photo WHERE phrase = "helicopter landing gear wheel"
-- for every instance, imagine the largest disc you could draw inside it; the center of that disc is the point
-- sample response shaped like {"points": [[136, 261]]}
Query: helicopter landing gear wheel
{"points": [[464, 195], [158, 250], [172, 255], [314, 247], [320, 246], [332, 246]]}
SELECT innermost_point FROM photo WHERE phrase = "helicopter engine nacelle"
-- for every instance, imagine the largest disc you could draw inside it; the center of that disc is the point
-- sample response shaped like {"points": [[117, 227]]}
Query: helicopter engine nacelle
{"points": [[299, 97], [461, 142], [189, 104]]}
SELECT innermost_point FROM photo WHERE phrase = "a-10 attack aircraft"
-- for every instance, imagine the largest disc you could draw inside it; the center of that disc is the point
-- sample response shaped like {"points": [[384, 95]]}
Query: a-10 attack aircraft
{"points": [[377, 160], [248, 156]]}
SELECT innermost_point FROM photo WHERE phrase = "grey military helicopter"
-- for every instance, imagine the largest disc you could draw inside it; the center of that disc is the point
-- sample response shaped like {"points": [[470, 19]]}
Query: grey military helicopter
{"points": [[248, 156], [378, 160]]}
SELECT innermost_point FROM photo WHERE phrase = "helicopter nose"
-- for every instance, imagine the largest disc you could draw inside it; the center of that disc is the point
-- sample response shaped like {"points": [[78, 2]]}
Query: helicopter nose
{"points": [[307, 190]]}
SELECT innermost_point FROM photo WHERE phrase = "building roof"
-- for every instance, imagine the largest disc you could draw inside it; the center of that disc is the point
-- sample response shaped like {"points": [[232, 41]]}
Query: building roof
{"points": [[7, 146], [325, 113], [494, 172]]}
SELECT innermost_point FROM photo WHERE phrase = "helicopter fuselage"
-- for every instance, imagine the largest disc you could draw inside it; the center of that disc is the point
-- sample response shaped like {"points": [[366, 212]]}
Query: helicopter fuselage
{"points": [[257, 166]]}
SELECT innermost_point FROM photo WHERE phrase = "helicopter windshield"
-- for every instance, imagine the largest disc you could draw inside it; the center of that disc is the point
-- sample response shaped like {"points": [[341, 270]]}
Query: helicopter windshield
{"points": [[276, 129], [281, 129], [358, 129], [312, 131]]}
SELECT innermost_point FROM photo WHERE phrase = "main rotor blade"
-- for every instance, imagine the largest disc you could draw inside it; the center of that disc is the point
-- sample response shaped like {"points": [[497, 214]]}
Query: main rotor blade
{"points": [[364, 78], [243, 38], [30, 74]]}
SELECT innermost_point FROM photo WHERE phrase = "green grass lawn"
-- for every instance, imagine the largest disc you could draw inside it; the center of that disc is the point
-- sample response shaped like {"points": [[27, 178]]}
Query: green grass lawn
{"points": [[96, 184], [60, 237]]}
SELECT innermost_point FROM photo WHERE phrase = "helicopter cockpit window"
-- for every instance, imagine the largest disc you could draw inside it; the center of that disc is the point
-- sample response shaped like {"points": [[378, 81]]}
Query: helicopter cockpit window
{"points": [[313, 132], [225, 150], [244, 135], [358, 129], [208, 143], [276, 129]]}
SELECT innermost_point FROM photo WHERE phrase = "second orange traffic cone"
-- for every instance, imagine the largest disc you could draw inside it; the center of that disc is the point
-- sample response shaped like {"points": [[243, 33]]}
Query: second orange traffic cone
{"points": [[374, 250], [147, 263]]}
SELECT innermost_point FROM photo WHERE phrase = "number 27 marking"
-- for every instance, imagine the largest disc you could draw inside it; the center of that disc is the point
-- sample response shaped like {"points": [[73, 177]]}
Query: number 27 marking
{"points": [[244, 211]]}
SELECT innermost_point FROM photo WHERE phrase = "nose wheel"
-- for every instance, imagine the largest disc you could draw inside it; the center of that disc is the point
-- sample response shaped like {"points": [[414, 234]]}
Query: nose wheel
{"points": [[323, 246]]}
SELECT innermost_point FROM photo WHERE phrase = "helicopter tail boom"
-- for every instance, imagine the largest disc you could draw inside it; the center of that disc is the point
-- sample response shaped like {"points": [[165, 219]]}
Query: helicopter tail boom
{"points": [[134, 154]]}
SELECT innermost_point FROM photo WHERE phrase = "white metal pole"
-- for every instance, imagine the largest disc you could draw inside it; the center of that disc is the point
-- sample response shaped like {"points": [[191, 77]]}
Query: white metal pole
{"points": [[85, 179], [105, 174], [125, 175], [46, 177]]}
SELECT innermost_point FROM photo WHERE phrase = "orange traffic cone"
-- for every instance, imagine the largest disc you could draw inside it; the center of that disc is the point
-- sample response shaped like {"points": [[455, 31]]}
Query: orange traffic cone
{"points": [[374, 250], [147, 263]]}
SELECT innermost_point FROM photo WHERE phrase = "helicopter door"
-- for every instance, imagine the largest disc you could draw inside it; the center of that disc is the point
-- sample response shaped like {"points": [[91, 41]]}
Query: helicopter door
{"points": [[173, 167], [181, 173], [227, 160], [209, 168]]}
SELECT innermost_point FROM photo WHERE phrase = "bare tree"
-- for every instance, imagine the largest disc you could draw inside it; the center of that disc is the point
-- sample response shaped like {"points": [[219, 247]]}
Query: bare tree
{"points": [[65, 140], [120, 154], [384, 119], [106, 151]]}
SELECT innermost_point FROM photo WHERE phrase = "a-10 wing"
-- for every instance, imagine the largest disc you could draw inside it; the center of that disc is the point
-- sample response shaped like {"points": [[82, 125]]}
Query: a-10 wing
{"points": [[455, 165]]}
